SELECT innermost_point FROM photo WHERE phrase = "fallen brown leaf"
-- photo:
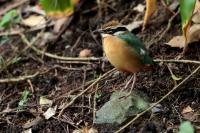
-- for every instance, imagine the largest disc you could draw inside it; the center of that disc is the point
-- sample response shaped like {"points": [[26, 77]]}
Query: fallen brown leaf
{"points": [[59, 24], [191, 31], [139, 8], [188, 109], [177, 41]]}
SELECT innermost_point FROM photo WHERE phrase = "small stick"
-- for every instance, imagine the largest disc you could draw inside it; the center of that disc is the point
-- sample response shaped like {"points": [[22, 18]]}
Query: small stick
{"points": [[81, 93], [177, 61], [20, 78]]}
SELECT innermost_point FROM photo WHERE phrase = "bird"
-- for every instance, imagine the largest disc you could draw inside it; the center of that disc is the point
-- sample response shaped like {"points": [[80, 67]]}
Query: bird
{"points": [[125, 51]]}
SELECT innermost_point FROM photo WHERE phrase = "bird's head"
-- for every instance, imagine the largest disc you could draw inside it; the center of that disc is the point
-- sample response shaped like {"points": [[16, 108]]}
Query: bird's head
{"points": [[113, 28]]}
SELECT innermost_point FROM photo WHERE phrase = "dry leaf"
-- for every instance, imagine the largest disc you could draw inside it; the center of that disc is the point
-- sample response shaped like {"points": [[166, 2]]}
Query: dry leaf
{"points": [[188, 109], [191, 116], [151, 6], [196, 17], [49, 113], [92, 130], [27, 131], [194, 33], [33, 122], [193, 36], [34, 21], [196, 14], [59, 24], [85, 53], [86, 130], [197, 6], [45, 101], [134, 25], [177, 41], [139, 8]]}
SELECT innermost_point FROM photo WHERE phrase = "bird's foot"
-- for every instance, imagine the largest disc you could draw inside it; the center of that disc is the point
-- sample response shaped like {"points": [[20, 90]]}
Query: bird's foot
{"points": [[133, 80]]}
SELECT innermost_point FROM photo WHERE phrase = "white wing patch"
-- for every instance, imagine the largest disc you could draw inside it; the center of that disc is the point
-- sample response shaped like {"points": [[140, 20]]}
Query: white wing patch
{"points": [[142, 51]]}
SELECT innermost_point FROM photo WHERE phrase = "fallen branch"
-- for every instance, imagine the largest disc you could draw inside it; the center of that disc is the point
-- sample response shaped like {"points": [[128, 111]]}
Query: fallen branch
{"points": [[163, 98], [25, 40]]}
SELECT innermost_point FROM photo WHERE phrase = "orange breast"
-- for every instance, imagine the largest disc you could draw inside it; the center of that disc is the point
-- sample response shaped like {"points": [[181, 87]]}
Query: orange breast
{"points": [[121, 55]]}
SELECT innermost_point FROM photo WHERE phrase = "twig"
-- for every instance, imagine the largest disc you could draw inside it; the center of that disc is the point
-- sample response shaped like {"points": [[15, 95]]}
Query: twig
{"points": [[25, 40], [178, 61], [75, 62], [74, 90], [163, 98], [171, 72], [168, 25], [94, 103], [162, 33], [9, 62], [68, 122], [77, 42], [167, 7], [80, 94], [20, 78]]}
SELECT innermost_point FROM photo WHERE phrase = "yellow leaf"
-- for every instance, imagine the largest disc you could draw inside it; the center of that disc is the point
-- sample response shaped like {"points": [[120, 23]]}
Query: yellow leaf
{"points": [[60, 14], [151, 6], [174, 77], [75, 2]]}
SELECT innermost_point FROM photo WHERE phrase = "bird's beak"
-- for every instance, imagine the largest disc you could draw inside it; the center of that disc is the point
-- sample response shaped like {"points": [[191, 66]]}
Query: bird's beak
{"points": [[98, 31]]}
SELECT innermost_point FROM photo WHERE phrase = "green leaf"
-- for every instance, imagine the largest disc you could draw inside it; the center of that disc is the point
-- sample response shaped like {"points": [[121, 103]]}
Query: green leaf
{"points": [[24, 99], [122, 105], [8, 18], [186, 10], [186, 127], [56, 5]]}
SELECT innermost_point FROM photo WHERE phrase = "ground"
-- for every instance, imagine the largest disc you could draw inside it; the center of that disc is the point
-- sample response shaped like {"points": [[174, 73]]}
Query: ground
{"points": [[62, 80]]}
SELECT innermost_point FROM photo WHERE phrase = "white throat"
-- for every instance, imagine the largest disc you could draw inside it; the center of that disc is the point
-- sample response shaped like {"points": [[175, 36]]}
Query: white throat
{"points": [[105, 35], [118, 33]]}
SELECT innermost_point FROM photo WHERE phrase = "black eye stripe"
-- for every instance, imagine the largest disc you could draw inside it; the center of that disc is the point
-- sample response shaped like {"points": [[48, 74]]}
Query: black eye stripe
{"points": [[121, 29], [112, 31]]}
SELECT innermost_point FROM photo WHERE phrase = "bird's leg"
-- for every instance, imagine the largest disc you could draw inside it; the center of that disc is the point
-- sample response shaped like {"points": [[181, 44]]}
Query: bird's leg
{"points": [[129, 81], [133, 82], [133, 79]]}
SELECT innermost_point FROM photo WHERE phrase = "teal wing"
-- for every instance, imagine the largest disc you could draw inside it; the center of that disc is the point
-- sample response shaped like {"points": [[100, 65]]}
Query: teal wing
{"points": [[138, 46]]}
